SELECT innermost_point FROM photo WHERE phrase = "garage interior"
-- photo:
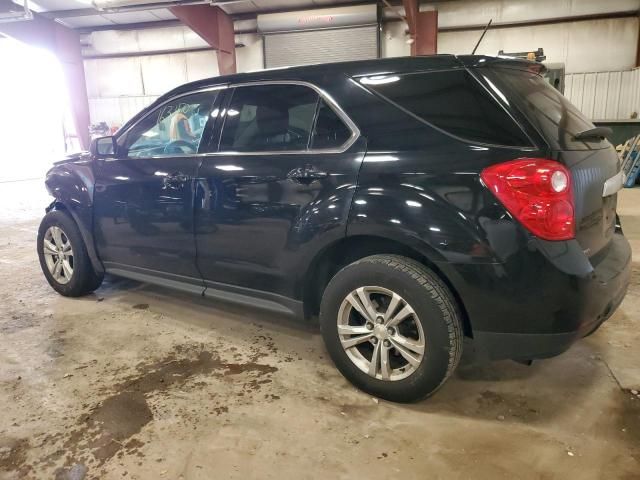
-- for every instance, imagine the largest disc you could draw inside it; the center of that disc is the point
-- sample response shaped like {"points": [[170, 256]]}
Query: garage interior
{"points": [[135, 381]]}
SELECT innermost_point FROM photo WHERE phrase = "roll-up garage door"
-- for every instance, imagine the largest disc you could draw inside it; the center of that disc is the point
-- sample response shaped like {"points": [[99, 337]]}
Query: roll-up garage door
{"points": [[321, 46]]}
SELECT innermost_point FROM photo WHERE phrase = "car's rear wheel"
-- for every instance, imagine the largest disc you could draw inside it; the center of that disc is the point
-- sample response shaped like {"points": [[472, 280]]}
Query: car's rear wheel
{"points": [[392, 327], [63, 256]]}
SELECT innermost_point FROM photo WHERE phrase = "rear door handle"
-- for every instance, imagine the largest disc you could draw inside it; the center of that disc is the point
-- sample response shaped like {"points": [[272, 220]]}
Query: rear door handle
{"points": [[306, 174], [175, 180]]}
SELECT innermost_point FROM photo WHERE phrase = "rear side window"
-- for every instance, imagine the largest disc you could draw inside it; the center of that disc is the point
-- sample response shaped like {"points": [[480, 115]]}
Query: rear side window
{"points": [[546, 108], [452, 101], [269, 118], [330, 131]]}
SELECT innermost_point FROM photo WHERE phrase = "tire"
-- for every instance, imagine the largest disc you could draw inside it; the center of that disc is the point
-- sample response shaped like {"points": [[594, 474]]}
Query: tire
{"points": [[83, 279], [434, 326]]}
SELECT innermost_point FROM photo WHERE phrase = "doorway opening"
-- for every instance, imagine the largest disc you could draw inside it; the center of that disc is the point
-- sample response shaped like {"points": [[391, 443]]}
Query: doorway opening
{"points": [[35, 115]]}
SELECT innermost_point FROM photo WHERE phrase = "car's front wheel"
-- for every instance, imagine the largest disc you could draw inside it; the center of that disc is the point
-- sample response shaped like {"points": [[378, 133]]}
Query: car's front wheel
{"points": [[63, 256], [392, 327]]}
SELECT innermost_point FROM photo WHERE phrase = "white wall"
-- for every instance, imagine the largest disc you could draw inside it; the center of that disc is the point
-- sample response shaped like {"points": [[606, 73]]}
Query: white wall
{"points": [[250, 57], [586, 46], [134, 41], [120, 87], [479, 12]]}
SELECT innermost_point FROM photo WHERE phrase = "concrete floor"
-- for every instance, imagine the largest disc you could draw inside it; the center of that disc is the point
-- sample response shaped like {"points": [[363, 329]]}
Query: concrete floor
{"points": [[138, 382]]}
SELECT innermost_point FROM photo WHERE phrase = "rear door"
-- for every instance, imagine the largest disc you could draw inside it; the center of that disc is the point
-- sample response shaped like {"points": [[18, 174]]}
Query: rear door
{"points": [[272, 190], [593, 162], [143, 201]]}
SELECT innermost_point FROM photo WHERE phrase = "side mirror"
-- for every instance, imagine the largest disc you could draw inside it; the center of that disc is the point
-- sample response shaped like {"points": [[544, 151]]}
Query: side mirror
{"points": [[103, 147]]}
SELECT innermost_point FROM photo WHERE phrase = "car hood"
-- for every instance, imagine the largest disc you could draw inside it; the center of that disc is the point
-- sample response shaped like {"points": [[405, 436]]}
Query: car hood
{"points": [[74, 157]]}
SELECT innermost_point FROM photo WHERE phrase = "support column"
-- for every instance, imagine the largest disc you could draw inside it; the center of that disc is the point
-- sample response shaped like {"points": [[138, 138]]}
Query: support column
{"points": [[65, 44], [423, 28], [215, 27]]}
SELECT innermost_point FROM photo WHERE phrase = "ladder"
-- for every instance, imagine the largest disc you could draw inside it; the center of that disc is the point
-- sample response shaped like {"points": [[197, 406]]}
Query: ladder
{"points": [[630, 159]]}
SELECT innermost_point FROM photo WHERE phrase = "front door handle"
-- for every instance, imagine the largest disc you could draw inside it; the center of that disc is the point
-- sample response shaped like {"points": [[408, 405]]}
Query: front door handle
{"points": [[175, 180], [306, 174]]}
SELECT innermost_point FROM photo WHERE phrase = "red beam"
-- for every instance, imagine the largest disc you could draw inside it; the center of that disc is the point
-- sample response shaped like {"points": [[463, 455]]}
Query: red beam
{"points": [[411, 12], [65, 44], [215, 27], [423, 28], [426, 41]]}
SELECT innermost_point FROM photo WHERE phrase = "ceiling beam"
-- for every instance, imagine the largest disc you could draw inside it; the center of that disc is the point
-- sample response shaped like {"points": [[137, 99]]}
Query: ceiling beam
{"points": [[80, 12], [131, 26], [215, 27]]}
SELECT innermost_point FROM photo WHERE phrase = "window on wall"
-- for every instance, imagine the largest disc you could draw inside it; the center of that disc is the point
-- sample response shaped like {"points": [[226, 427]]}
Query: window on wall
{"points": [[452, 101], [269, 118], [173, 129]]}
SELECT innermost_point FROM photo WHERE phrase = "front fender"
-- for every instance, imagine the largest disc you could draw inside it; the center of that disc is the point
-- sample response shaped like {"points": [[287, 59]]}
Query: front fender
{"points": [[72, 184]]}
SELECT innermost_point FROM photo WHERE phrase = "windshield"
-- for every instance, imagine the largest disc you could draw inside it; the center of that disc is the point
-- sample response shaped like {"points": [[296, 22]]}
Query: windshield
{"points": [[555, 118]]}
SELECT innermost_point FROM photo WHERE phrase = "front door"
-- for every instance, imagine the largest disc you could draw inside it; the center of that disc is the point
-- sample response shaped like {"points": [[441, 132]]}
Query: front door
{"points": [[276, 187], [143, 201]]}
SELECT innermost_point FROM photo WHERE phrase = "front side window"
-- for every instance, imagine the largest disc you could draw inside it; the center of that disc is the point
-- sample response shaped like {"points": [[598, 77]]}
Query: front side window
{"points": [[269, 118], [452, 101], [173, 129]]}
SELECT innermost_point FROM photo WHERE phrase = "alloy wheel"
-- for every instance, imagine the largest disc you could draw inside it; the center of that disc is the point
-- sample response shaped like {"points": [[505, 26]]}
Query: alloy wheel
{"points": [[58, 254], [380, 333]]}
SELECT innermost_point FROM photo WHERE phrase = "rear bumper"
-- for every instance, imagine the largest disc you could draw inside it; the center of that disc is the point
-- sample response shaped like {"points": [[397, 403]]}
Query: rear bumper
{"points": [[541, 308]]}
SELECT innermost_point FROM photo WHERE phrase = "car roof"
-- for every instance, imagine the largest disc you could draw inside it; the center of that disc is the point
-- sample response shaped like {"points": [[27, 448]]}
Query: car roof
{"points": [[352, 69]]}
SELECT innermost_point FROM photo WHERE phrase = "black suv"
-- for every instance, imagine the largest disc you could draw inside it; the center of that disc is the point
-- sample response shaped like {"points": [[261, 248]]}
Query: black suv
{"points": [[410, 203]]}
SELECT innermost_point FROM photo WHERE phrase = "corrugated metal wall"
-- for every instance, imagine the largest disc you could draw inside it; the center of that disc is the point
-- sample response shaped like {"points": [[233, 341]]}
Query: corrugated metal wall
{"points": [[605, 95]]}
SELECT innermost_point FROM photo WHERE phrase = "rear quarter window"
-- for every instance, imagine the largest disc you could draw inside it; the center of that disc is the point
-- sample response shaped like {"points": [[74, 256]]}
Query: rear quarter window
{"points": [[550, 113], [453, 102]]}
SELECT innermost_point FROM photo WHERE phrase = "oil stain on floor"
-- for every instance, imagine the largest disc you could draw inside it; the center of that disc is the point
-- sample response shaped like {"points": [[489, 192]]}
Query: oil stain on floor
{"points": [[108, 427]]}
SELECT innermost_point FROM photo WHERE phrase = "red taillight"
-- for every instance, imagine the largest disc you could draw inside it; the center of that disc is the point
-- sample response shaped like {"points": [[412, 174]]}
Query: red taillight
{"points": [[537, 192]]}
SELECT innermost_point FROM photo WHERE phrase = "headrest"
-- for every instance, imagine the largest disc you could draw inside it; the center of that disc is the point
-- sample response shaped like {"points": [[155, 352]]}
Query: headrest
{"points": [[272, 120]]}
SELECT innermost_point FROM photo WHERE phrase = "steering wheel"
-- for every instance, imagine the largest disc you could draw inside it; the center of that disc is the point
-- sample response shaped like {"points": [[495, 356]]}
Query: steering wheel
{"points": [[177, 147]]}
